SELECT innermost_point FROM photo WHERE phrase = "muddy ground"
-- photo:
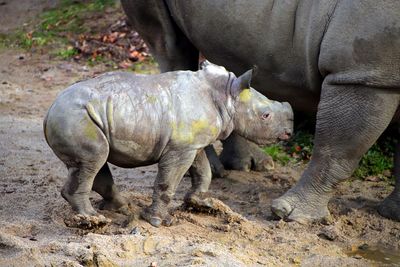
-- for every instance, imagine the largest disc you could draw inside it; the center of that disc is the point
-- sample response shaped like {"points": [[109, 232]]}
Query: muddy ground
{"points": [[33, 215]]}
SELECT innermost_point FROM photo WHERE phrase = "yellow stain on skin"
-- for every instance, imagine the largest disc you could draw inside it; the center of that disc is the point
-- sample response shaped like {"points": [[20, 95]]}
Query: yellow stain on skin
{"points": [[181, 133], [90, 130], [214, 131], [151, 99], [245, 95], [185, 133], [199, 125]]}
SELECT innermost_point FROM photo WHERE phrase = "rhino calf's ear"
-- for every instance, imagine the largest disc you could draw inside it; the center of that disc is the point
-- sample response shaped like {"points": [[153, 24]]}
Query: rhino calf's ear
{"points": [[203, 64], [242, 82], [245, 79]]}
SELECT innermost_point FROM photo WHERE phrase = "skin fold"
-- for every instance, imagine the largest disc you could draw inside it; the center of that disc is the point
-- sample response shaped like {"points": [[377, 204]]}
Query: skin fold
{"points": [[337, 59], [136, 120]]}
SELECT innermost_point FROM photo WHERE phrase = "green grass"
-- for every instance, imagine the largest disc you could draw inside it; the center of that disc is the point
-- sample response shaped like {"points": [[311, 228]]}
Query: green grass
{"points": [[67, 52], [56, 25], [278, 153], [378, 161]]}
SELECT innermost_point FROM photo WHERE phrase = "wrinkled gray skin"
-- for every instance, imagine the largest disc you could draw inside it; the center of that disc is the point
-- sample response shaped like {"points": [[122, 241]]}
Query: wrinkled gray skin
{"points": [[136, 120], [340, 59]]}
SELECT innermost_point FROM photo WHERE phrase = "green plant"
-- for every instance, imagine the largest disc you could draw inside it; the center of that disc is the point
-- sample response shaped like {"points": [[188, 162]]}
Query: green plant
{"points": [[375, 162], [277, 152], [67, 53], [56, 24], [378, 161]]}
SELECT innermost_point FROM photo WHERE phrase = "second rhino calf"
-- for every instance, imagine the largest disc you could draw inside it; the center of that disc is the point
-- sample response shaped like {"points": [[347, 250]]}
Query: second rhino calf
{"points": [[136, 120]]}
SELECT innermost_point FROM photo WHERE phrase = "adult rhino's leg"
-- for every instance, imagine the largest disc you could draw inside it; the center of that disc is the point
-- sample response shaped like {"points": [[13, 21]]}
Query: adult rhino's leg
{"points": [[170, 47], [104, 185], [171, 168], [390, 207], [200, 173], [243, 155], [350, 118]]}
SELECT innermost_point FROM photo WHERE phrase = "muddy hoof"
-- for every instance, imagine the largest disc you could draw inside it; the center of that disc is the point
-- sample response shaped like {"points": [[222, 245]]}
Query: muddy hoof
{"points": [[87, 222], [157, 221], [390, 208], [291, 207]]}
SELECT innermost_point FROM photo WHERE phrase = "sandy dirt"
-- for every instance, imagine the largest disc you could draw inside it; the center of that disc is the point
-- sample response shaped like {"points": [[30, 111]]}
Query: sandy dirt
{"points": [[34, 217]]}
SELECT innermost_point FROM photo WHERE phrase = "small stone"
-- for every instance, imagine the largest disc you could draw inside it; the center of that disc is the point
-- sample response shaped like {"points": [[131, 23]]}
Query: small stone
{"points": [[328, 233], [135, 231], [153, 264], [363, 246]]}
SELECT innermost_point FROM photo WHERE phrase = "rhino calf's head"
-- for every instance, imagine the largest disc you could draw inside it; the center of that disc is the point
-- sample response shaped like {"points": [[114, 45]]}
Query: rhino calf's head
{"points": [[256, 117]]}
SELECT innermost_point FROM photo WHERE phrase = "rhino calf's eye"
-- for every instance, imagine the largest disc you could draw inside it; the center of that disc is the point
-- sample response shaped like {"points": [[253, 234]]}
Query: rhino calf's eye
{"points": [[265, 116]]}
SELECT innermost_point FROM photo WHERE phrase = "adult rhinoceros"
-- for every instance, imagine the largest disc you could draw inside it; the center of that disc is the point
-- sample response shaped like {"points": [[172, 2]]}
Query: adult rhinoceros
{"points": [[339, 58]]}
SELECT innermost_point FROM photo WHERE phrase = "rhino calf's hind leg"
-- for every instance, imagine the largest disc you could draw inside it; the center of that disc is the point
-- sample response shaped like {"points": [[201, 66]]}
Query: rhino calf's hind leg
{"points": [[200, 173], [77, 188], [350, 119], [390, 207], [105, 186]]}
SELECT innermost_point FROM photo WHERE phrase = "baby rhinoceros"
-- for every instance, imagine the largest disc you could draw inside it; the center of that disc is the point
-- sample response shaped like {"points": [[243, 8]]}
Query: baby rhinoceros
{"points": [[135, 120]]}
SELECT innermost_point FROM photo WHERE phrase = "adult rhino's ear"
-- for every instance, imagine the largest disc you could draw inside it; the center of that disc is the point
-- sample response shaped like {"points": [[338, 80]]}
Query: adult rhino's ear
{"points": [[242, 82]]}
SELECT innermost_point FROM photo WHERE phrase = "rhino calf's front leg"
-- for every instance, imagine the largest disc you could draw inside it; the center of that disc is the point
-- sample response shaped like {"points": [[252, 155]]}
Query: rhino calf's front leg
{"points": [[171, 168]]}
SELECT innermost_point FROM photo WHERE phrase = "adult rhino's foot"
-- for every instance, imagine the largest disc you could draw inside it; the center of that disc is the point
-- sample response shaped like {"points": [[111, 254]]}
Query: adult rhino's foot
{"points": [[301, 206], [390, 207], [156, 219]]}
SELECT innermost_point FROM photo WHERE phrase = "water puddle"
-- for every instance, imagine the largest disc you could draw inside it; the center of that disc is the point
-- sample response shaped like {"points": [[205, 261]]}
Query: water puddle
{"points": [[375, 253]]}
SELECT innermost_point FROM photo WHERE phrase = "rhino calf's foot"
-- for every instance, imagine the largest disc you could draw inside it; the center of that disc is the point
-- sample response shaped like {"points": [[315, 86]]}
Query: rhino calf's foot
{"points": [[390, 207], [156, 219], [79, 203], [301, 207]]}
